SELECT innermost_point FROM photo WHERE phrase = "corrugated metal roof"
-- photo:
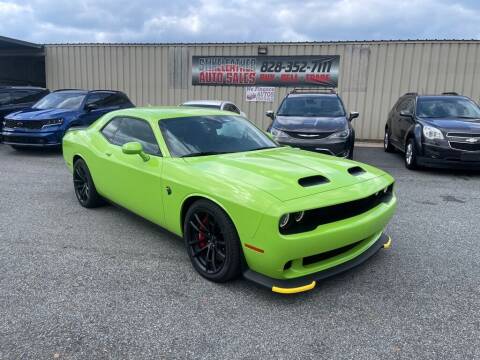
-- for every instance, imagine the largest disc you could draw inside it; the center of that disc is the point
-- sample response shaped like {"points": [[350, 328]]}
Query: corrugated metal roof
{"points": [[330, 42]]}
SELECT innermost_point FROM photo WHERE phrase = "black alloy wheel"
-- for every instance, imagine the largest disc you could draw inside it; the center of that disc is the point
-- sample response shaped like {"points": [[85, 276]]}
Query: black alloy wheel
{"points": [[84, 187], [212, 242]]}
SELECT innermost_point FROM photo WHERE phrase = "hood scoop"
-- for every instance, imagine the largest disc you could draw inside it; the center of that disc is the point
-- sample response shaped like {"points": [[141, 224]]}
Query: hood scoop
{"points": [[313, 180], [356, 170]]}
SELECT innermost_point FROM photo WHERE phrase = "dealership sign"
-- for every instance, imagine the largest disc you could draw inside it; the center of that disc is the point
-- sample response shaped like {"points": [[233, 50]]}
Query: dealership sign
{"points": [[260, 94], [321, 70]]}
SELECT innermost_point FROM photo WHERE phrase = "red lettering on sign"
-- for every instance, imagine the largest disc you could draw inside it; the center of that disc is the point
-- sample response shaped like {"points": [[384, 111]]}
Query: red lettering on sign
{"points": [[289, 77], [316, 78], [267, 77]]}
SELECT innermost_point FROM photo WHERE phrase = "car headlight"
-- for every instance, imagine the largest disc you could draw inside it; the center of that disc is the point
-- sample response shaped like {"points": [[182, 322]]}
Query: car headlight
{"points": [[278, 134], [432, 133], [52, 122], [340, 134], [289, 219]]}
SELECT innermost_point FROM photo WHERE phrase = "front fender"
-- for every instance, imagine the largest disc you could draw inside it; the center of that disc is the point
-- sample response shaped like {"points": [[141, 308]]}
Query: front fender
{"points": [[415, 132]]}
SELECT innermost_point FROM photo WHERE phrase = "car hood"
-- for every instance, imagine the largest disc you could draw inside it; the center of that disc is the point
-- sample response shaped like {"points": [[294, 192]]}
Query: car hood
{"points": [[455, 124], [278, 171], [310, 124], [35, 114]]}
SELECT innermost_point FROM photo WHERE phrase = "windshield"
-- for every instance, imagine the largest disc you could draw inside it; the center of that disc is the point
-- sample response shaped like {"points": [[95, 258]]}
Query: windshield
{"points": [[210, 135], [70, 101], [208, 106], [320, 106], [447, 108]]}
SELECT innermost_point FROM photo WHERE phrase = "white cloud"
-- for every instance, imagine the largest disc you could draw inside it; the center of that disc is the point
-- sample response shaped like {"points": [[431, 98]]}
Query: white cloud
{"points": [[236, 20]]}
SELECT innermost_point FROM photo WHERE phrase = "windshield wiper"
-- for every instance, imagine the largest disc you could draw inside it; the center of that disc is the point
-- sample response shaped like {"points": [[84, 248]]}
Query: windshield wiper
{"points": [[263, 148], [206, 153]]}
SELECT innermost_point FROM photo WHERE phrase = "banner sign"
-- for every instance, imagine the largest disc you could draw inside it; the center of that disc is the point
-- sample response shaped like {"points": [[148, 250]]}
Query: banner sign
{"points": [[260, 94], [294, 71]]}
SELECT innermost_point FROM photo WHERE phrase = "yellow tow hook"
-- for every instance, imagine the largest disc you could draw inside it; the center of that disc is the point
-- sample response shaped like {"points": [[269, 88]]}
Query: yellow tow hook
{"points": [[388, 244]]}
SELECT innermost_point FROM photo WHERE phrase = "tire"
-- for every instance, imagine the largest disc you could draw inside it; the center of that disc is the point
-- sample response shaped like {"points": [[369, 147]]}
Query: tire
{"points": [[350, 153], [84, 187], [19, 148], [387, 146], [411, 155], [212, 242]]}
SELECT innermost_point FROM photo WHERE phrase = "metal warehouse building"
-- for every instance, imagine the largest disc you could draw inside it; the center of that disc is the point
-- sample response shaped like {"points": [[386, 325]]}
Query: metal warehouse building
{"points": [[371, 75]]}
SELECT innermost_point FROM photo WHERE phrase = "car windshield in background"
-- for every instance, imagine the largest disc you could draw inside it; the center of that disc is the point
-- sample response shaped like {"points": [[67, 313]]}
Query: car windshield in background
{"points": [[69, 101], [211, 135], [447, 108], [206, 106], [321, 106]]}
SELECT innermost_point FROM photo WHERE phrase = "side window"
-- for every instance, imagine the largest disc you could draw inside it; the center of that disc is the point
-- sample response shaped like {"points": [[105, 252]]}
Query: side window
{"points": [[4, 98], [105, 99], [24, 96], [406, 104], [110, 130], [232, 108], [120, 131], [410, 106]]}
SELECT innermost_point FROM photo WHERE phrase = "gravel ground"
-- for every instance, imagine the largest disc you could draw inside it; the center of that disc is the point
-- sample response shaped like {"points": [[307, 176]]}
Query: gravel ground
{"points": [[85, 284]]}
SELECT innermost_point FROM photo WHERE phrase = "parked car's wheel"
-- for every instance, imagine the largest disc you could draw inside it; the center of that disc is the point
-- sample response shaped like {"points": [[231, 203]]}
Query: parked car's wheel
{"points": [[350, 153], [411, 155], [387, 146], [212, 242], [85, 189]]}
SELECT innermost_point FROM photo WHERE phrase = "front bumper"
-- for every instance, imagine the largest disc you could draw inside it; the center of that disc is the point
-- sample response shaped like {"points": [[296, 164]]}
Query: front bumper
{"points": [[443, 156], [286, 257], [31, 138], [335, 147], [308, 282]]}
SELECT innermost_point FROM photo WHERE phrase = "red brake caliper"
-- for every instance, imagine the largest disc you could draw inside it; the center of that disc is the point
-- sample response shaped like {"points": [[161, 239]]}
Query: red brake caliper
{"points": [[201, 234]]}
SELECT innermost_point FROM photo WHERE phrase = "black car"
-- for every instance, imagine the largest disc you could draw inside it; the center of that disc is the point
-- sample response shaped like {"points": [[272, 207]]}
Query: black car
{"points": [[441, 131], [15, 98], [314, 120]]}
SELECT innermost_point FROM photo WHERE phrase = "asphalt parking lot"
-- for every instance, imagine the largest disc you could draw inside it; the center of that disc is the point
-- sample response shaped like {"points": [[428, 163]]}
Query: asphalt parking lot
{"points": [[77, 283]]}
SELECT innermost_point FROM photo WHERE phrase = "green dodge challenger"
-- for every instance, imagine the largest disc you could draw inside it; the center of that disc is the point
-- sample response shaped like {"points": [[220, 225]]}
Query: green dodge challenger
{"points": [[283, 217]]}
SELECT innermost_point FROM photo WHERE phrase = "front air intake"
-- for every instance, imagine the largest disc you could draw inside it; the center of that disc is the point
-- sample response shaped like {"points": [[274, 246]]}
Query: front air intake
{"points": [[356, 170], [313, 180]]}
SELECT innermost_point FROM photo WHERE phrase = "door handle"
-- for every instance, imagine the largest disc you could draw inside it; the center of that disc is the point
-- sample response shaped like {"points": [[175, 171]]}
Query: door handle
{"points": [[108, 154]]}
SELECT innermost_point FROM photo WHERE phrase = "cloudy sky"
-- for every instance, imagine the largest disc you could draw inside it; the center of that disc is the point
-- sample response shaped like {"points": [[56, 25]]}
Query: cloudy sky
{"points": [[48, 21]]}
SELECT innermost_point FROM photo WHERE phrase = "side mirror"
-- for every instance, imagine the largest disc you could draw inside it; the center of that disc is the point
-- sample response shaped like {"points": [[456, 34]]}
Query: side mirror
{"points": [[90, 107], [353, 115], [406, 113], [270, 114], [135, 148]]}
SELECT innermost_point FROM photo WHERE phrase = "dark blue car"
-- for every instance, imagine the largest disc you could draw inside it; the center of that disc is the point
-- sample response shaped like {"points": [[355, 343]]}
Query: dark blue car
{"points": [[45, 123]]}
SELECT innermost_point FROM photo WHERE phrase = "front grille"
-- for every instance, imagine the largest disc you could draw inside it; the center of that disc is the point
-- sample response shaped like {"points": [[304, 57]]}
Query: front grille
{"points": [[329, 214], [24, 124], [23, 140], [465, 146], [329, 254], [309, 136], [463, 135]]}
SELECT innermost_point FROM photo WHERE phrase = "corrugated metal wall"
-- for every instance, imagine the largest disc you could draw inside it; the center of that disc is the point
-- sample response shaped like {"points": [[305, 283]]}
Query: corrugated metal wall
{"points": [[372, 74]]}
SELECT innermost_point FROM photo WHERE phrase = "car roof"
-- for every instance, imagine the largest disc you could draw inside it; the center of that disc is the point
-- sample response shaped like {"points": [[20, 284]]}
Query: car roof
{"points": [[82, 91], [155, 114], [311, 95], [441, 96], [21, 88], [205, 102]]}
